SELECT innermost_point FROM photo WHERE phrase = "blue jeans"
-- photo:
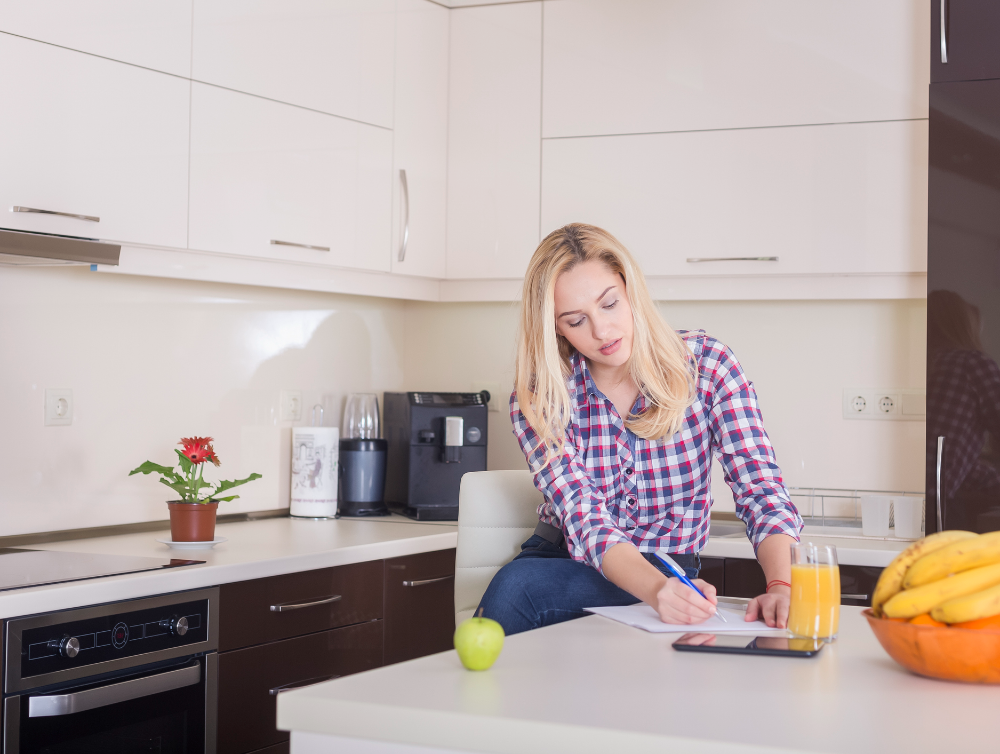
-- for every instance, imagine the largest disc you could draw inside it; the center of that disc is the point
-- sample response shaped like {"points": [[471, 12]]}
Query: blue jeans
{"points": [[544, 585]]}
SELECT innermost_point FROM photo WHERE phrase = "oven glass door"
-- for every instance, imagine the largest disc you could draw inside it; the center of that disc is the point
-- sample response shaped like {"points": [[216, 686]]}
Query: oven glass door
{"points": [[161, 712]]}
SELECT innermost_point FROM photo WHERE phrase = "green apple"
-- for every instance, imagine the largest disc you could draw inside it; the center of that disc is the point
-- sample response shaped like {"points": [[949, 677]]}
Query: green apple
{"points": [[478, 642]]}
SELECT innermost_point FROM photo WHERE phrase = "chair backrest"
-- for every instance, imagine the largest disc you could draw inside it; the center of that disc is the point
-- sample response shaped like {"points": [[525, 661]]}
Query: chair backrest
{"points": [[497, 511]]}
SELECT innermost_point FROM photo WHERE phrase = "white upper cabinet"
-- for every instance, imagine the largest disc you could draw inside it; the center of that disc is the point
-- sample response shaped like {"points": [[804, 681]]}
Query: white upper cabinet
{"points": [[271, 180], [420, 139], [642, 66], [154, 35], [494, 129], [88, 136], [846, 198], [335, 56]]}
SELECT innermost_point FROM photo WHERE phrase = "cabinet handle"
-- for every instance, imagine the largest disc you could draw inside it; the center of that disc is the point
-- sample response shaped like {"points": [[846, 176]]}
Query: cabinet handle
{"points": [[300, 684], [854, 596], [732, 259], [406, 215], [284, 607], [940, 458], [944, 37], [275, 242], [89, 218], [428, 581]]}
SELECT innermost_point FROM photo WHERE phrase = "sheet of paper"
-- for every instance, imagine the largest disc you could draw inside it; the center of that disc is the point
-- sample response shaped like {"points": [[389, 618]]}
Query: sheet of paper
{"points": [[643, 616]]}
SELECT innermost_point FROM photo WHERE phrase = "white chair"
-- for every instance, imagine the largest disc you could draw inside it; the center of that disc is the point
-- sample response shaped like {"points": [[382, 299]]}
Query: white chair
{"points": [[497, 511]]}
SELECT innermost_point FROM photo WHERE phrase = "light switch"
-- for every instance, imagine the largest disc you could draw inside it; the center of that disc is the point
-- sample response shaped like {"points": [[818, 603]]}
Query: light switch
{"points": [[58, 407], [290, 406]]}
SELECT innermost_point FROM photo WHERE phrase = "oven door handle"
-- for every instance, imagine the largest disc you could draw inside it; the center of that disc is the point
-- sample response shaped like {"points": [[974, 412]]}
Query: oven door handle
{"points": [[81, 701]]}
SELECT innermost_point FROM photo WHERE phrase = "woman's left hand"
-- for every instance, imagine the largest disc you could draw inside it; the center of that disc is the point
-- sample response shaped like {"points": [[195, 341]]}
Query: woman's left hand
{"points": [[772, 608]]}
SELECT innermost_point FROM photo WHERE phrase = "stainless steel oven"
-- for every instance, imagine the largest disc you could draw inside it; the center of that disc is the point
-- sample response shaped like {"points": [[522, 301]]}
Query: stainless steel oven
{"points": [[135, 676]]}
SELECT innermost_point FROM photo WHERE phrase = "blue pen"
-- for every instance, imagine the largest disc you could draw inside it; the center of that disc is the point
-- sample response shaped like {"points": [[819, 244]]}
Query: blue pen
{"points": [[677, 571]]}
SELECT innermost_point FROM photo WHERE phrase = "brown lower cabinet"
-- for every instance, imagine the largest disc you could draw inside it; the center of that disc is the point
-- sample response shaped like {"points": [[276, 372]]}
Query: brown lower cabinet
{"points": [[419, 605], [283, 748], [250, 679], [745, 578]]}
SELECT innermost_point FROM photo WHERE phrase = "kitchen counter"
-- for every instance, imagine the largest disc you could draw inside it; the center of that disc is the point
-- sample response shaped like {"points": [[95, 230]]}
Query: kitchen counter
{"points": [[593, 685], [857, 551], [255, 549]]}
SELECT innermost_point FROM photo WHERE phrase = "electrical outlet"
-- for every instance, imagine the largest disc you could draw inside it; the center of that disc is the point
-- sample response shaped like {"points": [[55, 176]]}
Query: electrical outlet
{"points": [[894, 404], [493, 388], [290, 406], [58, 407]]}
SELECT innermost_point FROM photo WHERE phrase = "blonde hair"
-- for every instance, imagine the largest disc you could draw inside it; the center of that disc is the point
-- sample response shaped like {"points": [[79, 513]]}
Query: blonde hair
{"points": [[660, 363]]}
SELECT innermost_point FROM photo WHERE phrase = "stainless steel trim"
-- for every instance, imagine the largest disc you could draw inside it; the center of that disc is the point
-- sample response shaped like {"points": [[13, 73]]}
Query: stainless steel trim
{"points": [[454, 431], [695, 260], [275, 242], [31, 249], [937, 497], [944, 31], [428, 581], [301, 684], [211, 701], [14, 628], [89, 218], [854, 596], [284, 607], [406, 216], [56, 705]]}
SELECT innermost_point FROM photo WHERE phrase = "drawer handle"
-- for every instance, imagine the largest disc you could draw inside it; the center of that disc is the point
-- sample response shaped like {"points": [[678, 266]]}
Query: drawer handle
{"points": [[91, 218], [300, 684], [732, 259], [854, 596], [275, 242], [428, 581], [284, 607]]}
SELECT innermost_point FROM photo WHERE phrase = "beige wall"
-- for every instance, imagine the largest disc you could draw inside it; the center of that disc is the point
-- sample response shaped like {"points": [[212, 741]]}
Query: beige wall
{"points": [[150, 360]]}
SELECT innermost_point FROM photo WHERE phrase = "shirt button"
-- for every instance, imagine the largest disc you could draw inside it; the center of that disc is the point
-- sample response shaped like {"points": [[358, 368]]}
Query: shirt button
{"points": [[629, 471], [631, 501]]}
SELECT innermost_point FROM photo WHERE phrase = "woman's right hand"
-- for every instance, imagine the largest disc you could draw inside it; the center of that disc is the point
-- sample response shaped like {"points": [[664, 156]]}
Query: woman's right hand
{"points": [[678, 603]]}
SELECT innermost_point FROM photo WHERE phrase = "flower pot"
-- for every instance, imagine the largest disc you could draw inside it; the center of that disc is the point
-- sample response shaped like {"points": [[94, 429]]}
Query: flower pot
{"points": [[192, 522]]}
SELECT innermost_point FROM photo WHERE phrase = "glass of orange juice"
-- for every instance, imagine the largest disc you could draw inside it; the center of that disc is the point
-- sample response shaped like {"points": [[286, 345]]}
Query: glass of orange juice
{"points": [[814, 612]]}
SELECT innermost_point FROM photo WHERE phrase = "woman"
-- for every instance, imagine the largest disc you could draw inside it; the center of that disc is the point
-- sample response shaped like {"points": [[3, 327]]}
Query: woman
{"points": [[619, 417]]}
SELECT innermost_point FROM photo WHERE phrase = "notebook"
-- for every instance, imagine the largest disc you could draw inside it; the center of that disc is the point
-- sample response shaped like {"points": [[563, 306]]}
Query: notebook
{"points": [[643, 616]]}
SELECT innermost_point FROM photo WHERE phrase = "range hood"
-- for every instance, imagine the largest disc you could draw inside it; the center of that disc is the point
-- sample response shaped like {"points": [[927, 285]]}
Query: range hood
{"points": [[22, 249]]}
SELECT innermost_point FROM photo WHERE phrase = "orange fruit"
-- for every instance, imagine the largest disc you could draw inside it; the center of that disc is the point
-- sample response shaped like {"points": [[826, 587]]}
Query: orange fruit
{"points": [[927, 620], [992, 622]]}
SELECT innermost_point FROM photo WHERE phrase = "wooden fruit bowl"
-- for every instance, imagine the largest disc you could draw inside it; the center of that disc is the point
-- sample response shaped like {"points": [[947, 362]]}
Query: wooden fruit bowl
{"points": [[952, 654]]}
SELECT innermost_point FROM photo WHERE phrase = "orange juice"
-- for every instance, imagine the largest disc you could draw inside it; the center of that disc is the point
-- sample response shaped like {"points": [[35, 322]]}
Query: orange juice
{"points": [[815, 603]]}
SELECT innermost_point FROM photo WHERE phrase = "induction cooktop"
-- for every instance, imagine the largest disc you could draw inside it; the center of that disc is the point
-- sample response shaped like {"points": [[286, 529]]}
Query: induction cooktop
{"points": [[22, 568]]}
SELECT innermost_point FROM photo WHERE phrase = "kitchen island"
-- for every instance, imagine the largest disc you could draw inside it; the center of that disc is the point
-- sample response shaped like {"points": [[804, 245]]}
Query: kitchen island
{"points": [[593, 685]]}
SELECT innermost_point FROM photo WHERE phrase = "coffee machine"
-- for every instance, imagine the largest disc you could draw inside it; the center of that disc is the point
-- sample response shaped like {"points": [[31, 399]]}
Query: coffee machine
{"points": [[433, 439]]}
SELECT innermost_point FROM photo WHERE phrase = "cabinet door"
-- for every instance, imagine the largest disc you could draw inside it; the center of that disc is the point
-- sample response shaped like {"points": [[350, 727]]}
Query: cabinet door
{"points": [[88, 136], [744, 578], [152, 35], [494, 134], [857, 584], [713, 570], [265, 172], [822, 199], [641, 66], [250, 679], [419, 605], [335, 56], [968, 49], [420, 139]]}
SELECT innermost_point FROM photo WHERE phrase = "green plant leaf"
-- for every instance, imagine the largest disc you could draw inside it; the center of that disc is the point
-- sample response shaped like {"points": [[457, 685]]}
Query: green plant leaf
{"points": [[185, 461], [227, 485], [224, 499], [179, 487], [149, 468]]}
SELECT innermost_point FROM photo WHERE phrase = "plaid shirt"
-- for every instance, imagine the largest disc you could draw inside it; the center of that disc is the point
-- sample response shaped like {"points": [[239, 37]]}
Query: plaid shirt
{"points": [[660, 499]]}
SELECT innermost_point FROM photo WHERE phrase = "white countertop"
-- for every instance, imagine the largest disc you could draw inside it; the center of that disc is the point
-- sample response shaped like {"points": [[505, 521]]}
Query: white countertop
{"points": [[857, 551], [255, 549], [593, 685]]}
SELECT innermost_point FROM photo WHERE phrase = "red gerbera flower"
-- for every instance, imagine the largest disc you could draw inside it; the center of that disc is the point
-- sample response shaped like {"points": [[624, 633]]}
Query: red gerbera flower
{"points": [[198, 449], [210, 456]]}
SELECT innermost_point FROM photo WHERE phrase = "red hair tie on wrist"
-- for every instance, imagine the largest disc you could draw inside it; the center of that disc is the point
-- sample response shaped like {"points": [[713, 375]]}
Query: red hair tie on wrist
{"points": [[773, 582]]}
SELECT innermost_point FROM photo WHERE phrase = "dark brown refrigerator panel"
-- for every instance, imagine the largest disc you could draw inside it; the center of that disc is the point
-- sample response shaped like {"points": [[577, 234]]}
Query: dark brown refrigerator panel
{"points": [[970, 40], [963, 307]]}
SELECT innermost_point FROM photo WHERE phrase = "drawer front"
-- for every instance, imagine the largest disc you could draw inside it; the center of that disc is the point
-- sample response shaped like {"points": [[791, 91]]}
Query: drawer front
{"points": [[745, 578], [283, 748], [713, 570], [280, 607], [419, 605], [249, 679], [859, 582]]}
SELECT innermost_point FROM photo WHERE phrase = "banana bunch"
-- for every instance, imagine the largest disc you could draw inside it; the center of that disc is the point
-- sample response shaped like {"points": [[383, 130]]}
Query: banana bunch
{"points": [[953, 575]]}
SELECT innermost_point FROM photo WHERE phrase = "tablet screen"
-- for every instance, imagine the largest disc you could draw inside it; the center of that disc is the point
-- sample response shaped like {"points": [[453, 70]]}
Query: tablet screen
{"points": [[729, 643]]}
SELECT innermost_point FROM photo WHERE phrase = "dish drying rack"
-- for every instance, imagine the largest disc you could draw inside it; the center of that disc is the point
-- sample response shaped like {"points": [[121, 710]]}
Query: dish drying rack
{"points": [[812, 504]]}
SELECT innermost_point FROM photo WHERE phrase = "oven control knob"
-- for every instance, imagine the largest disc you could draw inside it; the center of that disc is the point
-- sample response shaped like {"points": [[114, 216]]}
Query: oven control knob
{"points": [[178, 626], [69, 647]]}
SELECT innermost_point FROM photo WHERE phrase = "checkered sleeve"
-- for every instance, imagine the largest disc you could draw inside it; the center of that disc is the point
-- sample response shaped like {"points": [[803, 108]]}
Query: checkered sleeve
{"points": [[743, 448], [570, 494]]}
